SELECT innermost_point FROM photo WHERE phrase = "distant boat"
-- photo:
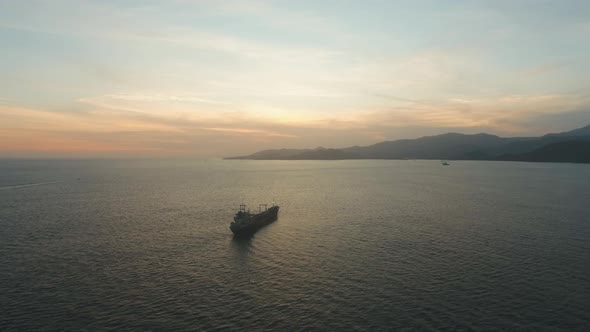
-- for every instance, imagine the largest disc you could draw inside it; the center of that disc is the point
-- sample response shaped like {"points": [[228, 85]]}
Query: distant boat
{"points": [[246, 223], [444, 163]]}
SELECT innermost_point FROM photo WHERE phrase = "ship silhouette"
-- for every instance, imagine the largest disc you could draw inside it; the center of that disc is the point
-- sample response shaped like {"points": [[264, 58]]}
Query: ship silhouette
{"points": [[246, 223]]}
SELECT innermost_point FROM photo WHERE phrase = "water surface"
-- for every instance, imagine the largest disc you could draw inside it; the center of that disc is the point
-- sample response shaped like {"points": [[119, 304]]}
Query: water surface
{"points": [[98, 244]]}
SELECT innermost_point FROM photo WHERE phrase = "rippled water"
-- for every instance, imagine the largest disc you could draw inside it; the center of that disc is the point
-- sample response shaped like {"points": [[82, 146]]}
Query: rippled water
{"points": [[358, 245]]}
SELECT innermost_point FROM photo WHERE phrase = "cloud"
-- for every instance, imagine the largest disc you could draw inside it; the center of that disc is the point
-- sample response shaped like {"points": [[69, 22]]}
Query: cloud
{"points": [[186, 98], [111, 131], [216, 77], [543, 69], [116, 130], [248, 132], [145, 25], [504, 114]]}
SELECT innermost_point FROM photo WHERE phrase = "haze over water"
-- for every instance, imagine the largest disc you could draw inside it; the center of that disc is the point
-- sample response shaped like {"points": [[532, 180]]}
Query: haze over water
{"points": [[376, 245]]}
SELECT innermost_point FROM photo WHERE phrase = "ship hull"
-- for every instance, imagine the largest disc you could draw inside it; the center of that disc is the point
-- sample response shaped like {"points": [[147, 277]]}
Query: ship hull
{"points": [[256, 222]]}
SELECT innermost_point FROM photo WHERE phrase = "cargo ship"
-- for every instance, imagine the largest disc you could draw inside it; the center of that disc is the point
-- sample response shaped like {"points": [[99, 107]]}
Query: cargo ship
{"points": [[246, 223]]}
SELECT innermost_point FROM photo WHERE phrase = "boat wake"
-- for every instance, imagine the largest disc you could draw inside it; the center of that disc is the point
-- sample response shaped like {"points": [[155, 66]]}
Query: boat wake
{"points": [[28, 185]]}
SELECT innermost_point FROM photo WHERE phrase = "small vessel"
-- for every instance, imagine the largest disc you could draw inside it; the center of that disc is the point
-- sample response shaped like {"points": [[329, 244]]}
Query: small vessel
{"points": [[246, 223], [444, 163]]}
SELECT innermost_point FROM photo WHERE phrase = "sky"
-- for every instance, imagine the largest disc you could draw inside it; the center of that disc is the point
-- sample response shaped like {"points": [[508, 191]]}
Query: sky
{"points": [[221, 78]]}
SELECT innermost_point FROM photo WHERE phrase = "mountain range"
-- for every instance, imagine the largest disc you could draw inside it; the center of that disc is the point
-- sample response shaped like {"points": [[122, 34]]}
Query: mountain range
{"points": [[571, 146]]}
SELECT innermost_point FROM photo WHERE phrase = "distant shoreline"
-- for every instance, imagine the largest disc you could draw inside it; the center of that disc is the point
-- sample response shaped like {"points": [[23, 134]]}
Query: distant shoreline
{"points": [[450, 160], [568, 147]]}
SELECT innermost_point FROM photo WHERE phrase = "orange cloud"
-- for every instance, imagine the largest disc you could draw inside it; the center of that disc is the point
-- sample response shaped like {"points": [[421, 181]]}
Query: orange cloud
{"points": [[128, 130]]}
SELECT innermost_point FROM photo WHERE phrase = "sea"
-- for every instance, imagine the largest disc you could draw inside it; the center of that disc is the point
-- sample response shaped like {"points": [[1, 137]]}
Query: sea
{"points": [[359, 245]]}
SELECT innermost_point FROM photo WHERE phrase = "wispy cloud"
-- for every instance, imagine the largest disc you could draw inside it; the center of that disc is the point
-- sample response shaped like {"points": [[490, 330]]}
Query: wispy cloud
{"points": [[503, 114], [114, 130], [216, 77], [543, 69], [161, 98], [120, 24], [249, 132]]}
